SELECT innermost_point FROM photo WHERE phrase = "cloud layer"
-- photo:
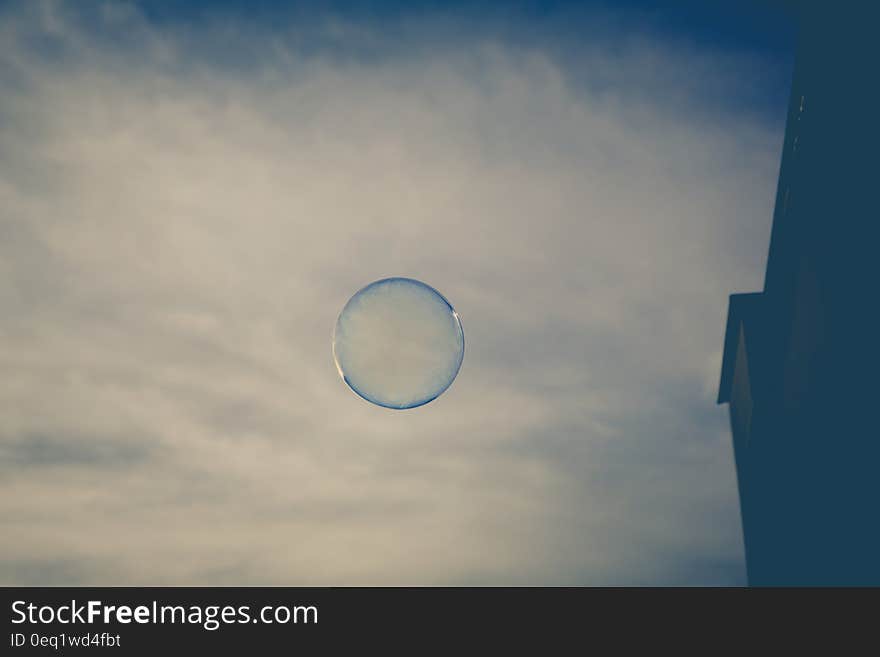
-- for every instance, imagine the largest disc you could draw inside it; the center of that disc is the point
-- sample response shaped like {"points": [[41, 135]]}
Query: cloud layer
{"points": [[184, 212]]}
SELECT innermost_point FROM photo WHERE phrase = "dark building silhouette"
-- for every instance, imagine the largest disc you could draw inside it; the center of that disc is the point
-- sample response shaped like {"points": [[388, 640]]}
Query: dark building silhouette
{"points": [[800, 358]]}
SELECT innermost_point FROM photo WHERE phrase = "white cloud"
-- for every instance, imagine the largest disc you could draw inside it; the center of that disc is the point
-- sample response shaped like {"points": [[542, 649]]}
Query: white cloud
{"points": [[177, 238]]}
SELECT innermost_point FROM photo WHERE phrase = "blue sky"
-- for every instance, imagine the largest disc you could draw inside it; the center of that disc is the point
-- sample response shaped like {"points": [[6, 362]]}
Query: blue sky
{"points": [[760, 27], [189, 198]]}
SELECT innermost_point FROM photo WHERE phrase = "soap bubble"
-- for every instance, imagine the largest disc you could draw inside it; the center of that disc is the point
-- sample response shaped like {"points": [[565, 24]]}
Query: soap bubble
{"points": [[398, 343]]}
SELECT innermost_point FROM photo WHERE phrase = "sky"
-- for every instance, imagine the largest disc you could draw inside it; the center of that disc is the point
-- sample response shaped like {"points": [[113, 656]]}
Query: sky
{"points": [[188, 198]]}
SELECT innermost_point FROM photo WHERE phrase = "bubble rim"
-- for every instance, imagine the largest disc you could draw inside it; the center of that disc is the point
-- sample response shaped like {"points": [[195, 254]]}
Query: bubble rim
{"points": [[366, 397]]}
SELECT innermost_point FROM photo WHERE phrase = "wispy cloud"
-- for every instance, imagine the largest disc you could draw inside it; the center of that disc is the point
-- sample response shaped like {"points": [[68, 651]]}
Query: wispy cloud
{"points": [[184, 211]]}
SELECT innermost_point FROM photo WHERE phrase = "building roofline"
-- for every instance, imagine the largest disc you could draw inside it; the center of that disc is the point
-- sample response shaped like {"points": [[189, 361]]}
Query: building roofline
{"points": [[741, 309]]}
